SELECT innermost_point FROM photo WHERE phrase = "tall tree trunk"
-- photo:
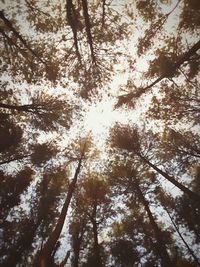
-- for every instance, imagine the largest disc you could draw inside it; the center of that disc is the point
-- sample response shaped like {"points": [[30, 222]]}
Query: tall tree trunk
{"points": [[88, 29], [161, 248], [73, 22], [171, 179], [103, 13], [189, 153], [76, 254], [95, 235], [62, 264], [77, 240], [53, 238], [182, 238]]}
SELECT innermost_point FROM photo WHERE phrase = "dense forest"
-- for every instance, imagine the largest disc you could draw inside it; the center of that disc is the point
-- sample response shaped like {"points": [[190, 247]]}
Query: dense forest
{"points": [[124, 189]]}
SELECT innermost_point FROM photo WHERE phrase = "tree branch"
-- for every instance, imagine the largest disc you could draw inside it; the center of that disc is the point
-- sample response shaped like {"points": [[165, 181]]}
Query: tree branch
{"points": [[17, 34], [126, 99]]}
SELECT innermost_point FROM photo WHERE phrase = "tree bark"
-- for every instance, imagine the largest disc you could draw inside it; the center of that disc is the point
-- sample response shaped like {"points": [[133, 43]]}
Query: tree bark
{"points": [[160, 247], [53, 237], [171, 179], [62, 264]]}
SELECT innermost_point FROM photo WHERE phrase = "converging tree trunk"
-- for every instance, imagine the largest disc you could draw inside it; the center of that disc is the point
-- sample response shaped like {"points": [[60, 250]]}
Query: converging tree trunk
{"points": [[160, 245], [88, 29], [73, 22], [16, 158], [171, 179], [47, 250], [95, 235], [77, 240], [181, 237]]}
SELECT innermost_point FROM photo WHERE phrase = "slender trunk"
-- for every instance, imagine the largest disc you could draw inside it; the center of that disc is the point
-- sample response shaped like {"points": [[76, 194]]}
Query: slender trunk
{"points": [[73, 21], [53, 237], [161, 248], [62, 264], [88, 29], [177, 64], [171, 179], [103, 13], [78, 236], [95, 235], [76, 254], [182, 238], [11, 43], [188, 153]]}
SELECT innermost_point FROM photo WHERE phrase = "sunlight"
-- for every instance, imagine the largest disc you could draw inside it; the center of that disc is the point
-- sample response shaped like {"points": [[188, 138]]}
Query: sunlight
{"points": [[100, 117]]}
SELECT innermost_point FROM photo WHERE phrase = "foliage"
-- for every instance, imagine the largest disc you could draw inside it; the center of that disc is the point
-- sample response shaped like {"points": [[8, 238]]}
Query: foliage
{"points": [[67, 197]]}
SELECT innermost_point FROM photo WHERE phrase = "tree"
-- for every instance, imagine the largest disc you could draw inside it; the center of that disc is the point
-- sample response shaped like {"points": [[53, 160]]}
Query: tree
{"points": [[129, 140], [124, 252], [93, 204], [46, 112], [59, 60], [38, 220], [132, 182], [46, 252], [169, 207]]}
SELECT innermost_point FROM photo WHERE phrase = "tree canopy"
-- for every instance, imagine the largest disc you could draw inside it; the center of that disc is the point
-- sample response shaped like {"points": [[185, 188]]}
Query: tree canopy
{"points": [[99, 133]]}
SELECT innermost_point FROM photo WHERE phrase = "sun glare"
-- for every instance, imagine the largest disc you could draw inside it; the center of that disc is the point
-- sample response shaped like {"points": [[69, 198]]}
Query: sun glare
{"points": [[100, 117]]}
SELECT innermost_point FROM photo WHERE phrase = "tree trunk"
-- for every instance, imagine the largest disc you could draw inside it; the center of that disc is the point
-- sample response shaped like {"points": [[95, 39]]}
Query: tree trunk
{"points": [[76, 254], [77, 240], [73, 22], [103, 13], [62, 264], [95, 235], [53, 238], [182, 238], [171, 179], [88, 29], [160, 247]]}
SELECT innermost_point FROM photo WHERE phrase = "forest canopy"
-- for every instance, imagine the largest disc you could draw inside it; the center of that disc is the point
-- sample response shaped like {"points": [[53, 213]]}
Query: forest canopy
{"points": [[99, 133]]}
